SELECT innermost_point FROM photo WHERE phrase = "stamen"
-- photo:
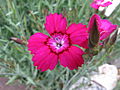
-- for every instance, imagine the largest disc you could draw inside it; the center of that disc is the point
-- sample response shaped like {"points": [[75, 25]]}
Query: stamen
{"points": [[59, 45]]}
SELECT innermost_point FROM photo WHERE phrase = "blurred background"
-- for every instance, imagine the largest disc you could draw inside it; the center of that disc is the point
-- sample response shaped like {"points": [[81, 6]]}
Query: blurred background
{"points": [[21, 19]]}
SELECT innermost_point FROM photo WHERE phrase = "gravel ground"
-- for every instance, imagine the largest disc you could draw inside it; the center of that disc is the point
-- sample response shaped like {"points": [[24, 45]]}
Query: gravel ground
{"points": [[15, 86]]}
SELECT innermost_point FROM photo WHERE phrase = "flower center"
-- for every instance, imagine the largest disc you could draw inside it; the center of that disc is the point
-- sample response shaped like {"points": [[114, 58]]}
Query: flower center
{"points": [[58, 42]]}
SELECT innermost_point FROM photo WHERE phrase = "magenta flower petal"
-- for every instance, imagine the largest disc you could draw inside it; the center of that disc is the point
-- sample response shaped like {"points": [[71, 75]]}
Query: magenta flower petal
{"points": [[36, 41], [78, 34], [72, 58], [44, 59], [106, 4], [97, 3], [106, 29], [55, 23], [67, 61], [40, 55], [84, 44], [94, 5], [49, 62], [104, 26]]}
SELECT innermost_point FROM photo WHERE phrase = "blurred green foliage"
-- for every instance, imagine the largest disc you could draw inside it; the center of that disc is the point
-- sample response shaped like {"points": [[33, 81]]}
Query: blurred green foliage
{"points": [[21, 19]]}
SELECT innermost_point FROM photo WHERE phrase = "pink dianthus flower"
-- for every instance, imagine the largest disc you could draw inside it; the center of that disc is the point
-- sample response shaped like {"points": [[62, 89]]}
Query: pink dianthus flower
{"points": [[104, 26], [60, 45], [97, 3]]}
